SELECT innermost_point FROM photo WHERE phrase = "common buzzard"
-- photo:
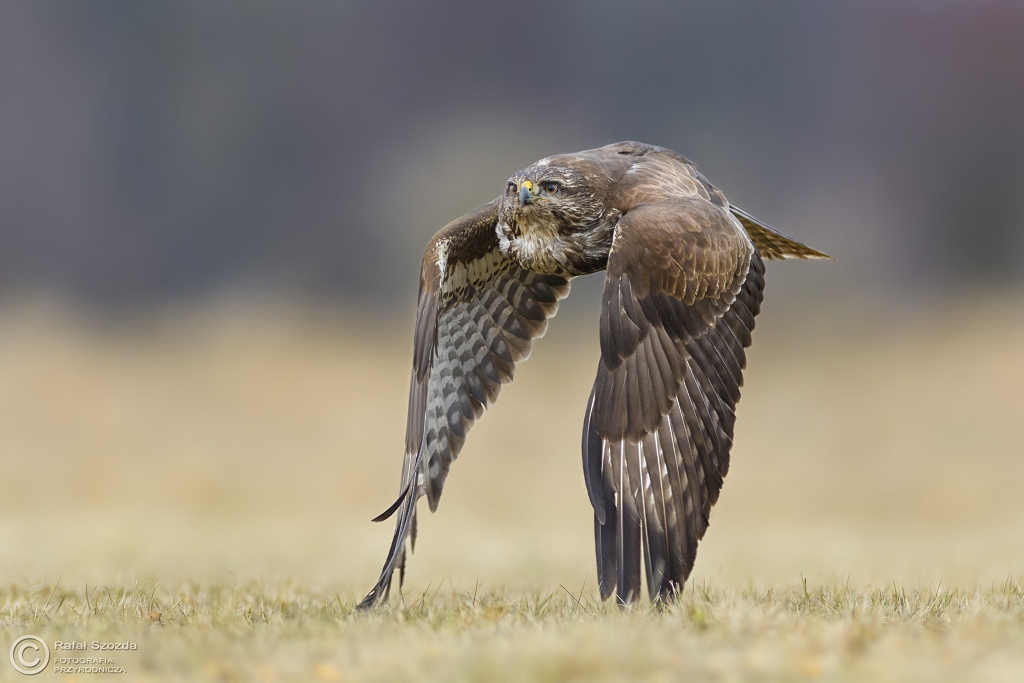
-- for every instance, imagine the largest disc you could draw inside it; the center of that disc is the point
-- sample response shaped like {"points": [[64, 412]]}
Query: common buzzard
{"points": [[684, 283]]}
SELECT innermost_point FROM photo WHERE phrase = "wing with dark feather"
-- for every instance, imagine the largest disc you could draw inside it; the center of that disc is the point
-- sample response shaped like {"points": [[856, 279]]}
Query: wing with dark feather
{"points": [[683, 286], [476, 318]]}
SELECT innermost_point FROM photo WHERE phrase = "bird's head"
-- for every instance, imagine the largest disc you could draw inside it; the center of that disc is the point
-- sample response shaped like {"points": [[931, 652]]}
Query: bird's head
{"points": [[543, 210], [547, 197]]}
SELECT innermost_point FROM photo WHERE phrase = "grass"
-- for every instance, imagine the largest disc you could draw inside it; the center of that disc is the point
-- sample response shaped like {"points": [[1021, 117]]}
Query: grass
{"points": [[200, 482], [286, 631]]}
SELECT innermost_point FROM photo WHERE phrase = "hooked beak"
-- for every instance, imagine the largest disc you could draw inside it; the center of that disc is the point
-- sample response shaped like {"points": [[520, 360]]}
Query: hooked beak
{"points": [[526, 194]]}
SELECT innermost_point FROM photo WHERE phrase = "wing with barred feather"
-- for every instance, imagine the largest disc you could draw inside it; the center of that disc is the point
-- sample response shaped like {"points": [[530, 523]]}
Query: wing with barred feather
{"points": [[477, 315]]}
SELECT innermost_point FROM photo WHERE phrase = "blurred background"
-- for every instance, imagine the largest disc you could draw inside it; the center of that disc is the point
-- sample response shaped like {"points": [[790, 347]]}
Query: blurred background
{"points": [[211, 220], [165, 149]]}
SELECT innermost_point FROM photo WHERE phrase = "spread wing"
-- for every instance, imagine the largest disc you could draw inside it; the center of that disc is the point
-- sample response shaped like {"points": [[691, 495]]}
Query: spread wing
{"points": [[476, 318], [683, 286]]}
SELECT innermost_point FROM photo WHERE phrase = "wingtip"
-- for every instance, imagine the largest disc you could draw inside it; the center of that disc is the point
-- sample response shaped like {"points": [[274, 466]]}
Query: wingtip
{"points": [[384, 516], [377, 595], [369, 602]]}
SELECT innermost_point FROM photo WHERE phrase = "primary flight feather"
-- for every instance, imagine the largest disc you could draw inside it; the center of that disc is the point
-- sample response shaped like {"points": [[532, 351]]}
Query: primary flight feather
{"points": [[684, 282]]}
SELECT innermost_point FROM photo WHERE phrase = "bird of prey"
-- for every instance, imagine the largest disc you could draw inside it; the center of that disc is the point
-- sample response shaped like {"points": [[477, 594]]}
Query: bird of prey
{"points": [[684, 282]]}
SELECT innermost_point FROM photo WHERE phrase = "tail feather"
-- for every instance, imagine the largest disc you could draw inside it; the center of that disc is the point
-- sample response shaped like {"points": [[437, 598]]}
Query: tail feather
{"points": [[773, 244]]}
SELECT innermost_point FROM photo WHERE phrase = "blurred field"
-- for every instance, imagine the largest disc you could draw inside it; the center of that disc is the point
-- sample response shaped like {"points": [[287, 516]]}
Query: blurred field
{"points": [[218, 466]]}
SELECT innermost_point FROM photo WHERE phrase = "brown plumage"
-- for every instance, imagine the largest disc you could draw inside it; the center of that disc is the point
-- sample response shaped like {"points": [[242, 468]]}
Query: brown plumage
{"points": [[684, 282]]}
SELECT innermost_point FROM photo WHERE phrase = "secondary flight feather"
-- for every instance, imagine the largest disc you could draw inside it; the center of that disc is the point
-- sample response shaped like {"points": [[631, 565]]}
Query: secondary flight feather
{"points": [[685, 280]]}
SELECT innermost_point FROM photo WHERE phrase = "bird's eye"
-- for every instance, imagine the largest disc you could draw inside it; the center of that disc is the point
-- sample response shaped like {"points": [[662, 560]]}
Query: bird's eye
{"points": [[512, 189], [551, 188]]}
